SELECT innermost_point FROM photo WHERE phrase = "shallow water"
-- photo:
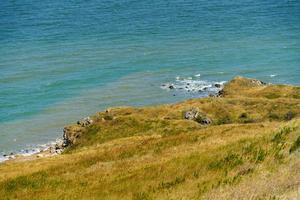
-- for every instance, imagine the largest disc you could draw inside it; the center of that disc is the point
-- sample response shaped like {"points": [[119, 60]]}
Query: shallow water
{"points": [[63, 60]]}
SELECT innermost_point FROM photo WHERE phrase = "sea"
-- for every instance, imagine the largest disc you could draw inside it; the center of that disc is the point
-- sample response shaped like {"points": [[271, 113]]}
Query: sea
{"points": [[61, 61]]}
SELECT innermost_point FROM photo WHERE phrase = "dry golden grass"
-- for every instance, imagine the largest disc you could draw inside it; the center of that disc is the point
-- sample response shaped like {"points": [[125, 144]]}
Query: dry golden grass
{"points": [[250, 151]]}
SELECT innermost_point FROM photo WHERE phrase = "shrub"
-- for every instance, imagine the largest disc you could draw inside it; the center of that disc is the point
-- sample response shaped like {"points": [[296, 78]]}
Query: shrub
{"points": [[289, 115], [274, 116], [295, 146], [108, 117], [280, 135], [230, 161], [141, 196], [272, 96], [243, 116], [224, 120], [167, 185]]}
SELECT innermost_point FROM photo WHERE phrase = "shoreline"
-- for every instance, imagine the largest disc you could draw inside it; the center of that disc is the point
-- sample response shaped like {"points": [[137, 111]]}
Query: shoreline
{"points": [[180, 85], [45, 150], [249, 129]]}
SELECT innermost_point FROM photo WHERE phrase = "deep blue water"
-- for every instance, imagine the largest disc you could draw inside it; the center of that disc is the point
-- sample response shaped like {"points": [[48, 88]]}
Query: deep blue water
{"points": [[63, 60]]}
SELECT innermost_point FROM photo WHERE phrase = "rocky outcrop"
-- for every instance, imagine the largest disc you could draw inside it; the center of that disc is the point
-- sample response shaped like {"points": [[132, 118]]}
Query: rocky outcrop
{"points": [[58, 147], [191, 114], [71, 134], [85, 122], [195, 115]]}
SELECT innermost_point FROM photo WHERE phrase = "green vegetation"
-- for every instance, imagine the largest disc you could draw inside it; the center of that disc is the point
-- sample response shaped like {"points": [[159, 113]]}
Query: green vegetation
{"points": [[155, 153], [295, 146]]}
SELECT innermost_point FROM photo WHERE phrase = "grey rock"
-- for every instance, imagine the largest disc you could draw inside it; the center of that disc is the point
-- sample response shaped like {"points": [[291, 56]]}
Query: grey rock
{"points": [[221, 93], [217, 85], [85, 122], [191, 114], [197, 116]]}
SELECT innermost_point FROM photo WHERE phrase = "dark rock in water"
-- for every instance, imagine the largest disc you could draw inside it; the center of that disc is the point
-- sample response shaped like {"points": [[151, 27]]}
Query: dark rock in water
{"points": [[217, 85], [188, 84], [171, 87], [174, 95], [197, 116], [163, 85], [4, 155], [211, 95]]}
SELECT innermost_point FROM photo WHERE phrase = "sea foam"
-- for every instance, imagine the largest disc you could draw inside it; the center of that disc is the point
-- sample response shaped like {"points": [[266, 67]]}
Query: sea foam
{"points": [[194, 86]]}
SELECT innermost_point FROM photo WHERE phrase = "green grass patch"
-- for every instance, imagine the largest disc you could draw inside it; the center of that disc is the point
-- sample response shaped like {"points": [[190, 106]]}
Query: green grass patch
{"points": [[295, 146]]}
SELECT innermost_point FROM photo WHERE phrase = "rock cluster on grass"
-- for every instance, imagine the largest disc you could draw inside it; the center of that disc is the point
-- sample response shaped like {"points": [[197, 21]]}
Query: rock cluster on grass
{"points": [[85, 122], [58, 147], [72, 133], [257, 82], [195, 115]]}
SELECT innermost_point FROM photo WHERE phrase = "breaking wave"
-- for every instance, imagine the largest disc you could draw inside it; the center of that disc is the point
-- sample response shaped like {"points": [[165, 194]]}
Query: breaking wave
{"points": [[194, 85]]}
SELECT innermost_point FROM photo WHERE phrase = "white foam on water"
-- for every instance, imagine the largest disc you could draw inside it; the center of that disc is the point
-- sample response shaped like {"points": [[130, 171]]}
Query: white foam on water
{"points": [[3, 158], [273, 75], [197, 75], [31, 150], [194, 86]]}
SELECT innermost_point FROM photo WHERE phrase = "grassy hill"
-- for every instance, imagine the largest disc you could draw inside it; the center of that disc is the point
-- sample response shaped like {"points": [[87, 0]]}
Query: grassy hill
{"points": [[241, 145]]}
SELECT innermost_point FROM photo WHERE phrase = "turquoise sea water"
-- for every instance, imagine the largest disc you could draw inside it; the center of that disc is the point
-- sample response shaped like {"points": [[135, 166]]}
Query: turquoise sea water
{"points": [[63, 60]]}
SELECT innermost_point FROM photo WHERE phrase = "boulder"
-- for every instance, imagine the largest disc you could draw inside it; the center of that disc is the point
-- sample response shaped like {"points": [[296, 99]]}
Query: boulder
{"points": [[85, 122], [217, 85], [257, 82], [71, 134], [191, 114], [221, 93], [195, 115]]}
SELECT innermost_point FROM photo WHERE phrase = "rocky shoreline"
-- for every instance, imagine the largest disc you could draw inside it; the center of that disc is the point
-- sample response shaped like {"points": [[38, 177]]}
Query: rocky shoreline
{"points": [[46, 150], [72, 133], [49, 149]]}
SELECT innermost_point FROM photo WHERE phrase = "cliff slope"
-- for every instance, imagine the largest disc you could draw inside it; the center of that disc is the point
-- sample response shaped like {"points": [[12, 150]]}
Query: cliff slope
{"points": [[242, 144]]}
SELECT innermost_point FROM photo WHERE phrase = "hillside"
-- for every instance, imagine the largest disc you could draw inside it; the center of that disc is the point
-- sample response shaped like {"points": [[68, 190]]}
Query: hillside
{"points": [[241, 144]]}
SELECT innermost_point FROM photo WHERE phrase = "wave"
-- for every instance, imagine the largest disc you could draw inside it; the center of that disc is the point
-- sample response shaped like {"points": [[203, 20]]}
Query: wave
{"points": [[29, 151], [194, 85]]}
